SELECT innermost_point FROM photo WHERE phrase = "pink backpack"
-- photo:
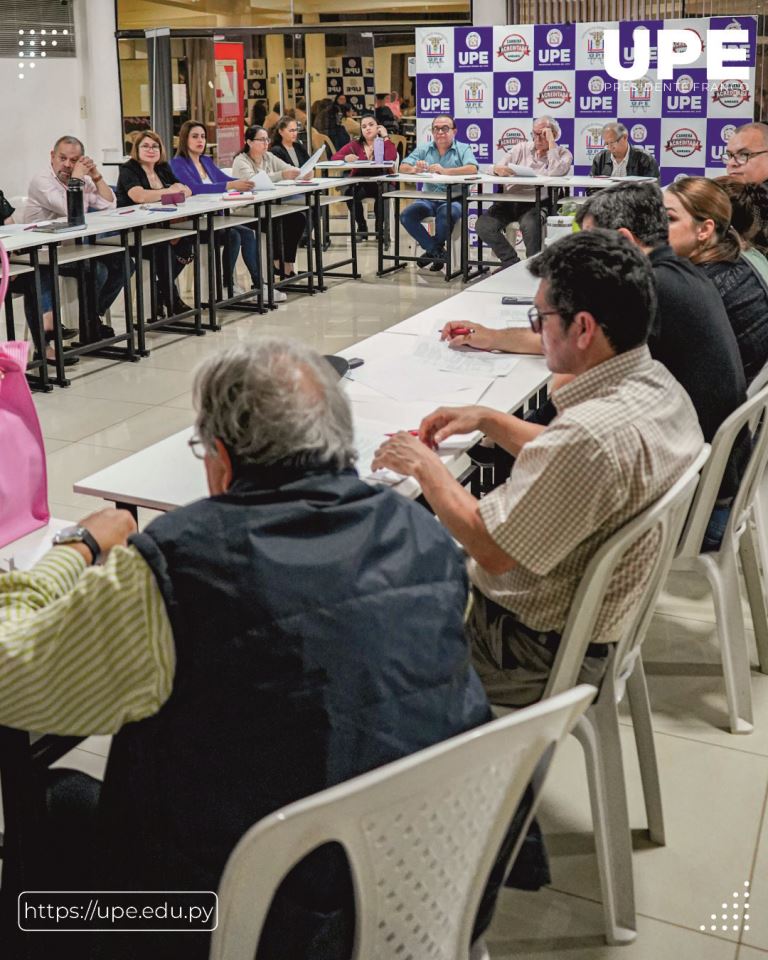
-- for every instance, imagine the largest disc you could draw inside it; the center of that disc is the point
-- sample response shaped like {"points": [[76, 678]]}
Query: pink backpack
{"points": [[23, 479]]}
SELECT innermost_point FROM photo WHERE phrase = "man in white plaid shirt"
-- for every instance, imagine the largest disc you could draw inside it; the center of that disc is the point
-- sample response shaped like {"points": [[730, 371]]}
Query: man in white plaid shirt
{"points": [[625, 431]]}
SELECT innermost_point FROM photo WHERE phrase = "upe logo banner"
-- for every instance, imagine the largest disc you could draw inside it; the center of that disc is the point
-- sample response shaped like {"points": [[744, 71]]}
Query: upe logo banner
{"points": [[479, 135], [473, 48], [560, 70]]}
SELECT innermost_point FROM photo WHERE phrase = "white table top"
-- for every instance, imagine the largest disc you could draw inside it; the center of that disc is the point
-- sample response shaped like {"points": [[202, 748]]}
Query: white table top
{"points": [[514, 281], [26, 551], [568, 181], [166, 474]]}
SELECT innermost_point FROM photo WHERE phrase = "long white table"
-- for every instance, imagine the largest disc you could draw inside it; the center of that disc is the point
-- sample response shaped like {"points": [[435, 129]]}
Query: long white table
{"points": [[166, 475]]}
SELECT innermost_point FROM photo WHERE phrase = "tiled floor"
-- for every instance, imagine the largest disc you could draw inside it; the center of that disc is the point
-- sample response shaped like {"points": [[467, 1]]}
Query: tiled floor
{"points": [[714, 784]]}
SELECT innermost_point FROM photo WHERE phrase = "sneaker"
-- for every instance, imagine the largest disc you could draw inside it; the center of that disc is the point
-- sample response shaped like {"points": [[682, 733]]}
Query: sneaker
{"points": [[237, 289], [279, 296]]}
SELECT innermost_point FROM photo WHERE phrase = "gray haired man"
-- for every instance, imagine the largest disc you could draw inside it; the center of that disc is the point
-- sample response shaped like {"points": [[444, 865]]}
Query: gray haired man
{"points": [[619, 159], [542, 155], [311, 626]]}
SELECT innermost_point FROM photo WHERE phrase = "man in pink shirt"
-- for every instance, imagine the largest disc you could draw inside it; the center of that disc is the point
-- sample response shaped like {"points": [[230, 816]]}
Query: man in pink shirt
{"points": [[546, 159], [47, 200]]}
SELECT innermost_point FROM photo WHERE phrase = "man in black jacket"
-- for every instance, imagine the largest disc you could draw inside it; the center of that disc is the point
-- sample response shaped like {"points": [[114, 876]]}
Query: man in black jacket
{"points": [[317, 624], [619, 159]]}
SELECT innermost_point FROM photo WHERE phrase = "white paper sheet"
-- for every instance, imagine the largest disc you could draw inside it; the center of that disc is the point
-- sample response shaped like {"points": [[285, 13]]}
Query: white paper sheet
{"points": [[475, 363], [409, 378]]}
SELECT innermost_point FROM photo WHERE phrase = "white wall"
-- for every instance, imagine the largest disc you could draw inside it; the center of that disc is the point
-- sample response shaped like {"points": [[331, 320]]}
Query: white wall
{"points": [[46, 103]]}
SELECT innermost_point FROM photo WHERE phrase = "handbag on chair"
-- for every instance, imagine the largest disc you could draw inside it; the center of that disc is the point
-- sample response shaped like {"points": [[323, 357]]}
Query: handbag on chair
{"points": [[23, 477]]}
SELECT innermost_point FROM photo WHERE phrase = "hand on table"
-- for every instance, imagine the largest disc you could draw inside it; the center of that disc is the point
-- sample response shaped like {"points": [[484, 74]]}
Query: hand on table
{"points": [[436, 168], [502, 170], [179, 188], [481, 338], [110, 528], [446, 421], [421, 166], [405, 454], [244, 185], [307, 176], [291, 173]]}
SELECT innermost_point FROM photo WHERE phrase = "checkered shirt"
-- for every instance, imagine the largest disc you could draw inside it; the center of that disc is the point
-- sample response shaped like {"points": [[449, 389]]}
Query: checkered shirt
{"points": [[624, 432]]}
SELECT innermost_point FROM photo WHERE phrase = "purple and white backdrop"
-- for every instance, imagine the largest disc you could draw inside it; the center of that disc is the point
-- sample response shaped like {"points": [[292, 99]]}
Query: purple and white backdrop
{"points": [[496, 80]]}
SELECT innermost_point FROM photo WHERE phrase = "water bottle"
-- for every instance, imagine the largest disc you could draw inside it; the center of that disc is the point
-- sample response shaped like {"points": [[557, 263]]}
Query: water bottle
{"points": [[75, 204], [378, 150]]}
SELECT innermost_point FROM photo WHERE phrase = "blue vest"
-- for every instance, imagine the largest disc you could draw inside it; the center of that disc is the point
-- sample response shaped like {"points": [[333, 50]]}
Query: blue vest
{"points": [[318, 624]]}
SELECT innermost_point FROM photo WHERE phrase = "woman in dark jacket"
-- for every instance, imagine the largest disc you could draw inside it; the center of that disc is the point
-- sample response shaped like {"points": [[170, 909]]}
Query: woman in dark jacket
{"points": [[363, 149], [285, 143], [145, 178], [700, 228]]}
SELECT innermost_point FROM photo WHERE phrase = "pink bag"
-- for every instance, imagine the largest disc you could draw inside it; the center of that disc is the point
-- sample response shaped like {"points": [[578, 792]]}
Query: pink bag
{"points": [[23, 479]]}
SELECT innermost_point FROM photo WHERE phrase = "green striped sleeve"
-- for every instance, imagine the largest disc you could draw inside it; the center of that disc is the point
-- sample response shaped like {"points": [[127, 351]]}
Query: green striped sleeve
{"points": [[83, 650]]}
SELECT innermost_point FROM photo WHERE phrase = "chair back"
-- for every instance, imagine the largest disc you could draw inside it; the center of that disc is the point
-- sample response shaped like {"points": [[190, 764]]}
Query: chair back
{"points": [[668, 513], [752, 415], [760, 381], [421, 835]]}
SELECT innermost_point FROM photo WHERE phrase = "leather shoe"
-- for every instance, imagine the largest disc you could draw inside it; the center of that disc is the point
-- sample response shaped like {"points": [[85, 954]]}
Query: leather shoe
{"points": [[179, 306], [68, 361], [438, 261], [426, 259], [67, 333]]}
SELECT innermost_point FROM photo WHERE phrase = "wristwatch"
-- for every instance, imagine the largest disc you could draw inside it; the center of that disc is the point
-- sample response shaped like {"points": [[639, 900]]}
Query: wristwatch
{"points": [[79, 534]]}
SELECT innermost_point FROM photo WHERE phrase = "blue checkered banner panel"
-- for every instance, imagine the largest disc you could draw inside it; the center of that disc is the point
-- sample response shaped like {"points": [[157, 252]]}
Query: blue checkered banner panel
{"points": [[496, 80]]}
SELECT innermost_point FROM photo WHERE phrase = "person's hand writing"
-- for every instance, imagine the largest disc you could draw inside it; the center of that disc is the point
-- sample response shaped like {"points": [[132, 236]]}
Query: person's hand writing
{"points": [[446, 421], [405, 454], [110, 528], [421, 166], [436, 168], [481, 338]]}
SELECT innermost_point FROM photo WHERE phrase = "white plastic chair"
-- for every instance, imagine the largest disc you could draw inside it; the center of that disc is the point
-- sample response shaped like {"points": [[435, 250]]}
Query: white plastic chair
{"points": [[720, 567], [598, 730], [455, 800], [753, 550]]}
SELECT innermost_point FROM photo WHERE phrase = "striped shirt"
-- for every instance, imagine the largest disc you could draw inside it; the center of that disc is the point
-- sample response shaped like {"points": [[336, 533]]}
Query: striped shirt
{"points": [[624, 433], [83, 650]]}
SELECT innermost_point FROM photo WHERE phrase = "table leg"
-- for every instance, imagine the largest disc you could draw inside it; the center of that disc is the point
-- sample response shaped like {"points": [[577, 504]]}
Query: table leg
{"points": [[213, 325], [53, 261], [35, 260], [141, 343], [127, 298]]}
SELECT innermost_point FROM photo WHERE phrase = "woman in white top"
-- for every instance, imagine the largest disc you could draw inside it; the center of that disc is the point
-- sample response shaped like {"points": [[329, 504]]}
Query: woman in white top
{"points": [[255, 158]]}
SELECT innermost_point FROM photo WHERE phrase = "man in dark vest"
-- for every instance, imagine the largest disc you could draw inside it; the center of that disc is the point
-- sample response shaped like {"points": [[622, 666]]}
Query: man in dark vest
{"points": [[303, 627]]}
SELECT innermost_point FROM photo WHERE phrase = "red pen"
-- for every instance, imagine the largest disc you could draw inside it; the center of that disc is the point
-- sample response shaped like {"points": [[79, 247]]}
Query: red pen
{"points": [[461, 331]]}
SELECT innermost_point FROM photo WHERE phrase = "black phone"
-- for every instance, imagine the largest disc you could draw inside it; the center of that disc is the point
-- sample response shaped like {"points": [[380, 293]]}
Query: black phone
{"points": [[355, 362], [510, 301]]}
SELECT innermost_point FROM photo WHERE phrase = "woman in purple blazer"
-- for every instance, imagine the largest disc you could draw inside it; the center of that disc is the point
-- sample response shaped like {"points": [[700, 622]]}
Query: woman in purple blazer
{"points": [[201, 175]]}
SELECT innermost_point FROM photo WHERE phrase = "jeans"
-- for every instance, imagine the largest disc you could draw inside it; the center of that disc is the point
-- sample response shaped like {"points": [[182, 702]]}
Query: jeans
{"points": [[713, 536], [412, 216], [243, 239]]}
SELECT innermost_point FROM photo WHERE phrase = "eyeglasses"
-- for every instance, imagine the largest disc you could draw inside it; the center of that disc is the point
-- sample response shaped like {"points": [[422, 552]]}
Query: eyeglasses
{"points": [[197, 447], [612, 143], [441, 129], [260, 140], [535, 316], [742, 158], [149, 145]]}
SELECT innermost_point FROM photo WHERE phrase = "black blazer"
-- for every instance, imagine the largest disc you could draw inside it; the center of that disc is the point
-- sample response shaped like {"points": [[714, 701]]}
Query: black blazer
{"points": [[301, 152], [132, 175], [639, 164]]}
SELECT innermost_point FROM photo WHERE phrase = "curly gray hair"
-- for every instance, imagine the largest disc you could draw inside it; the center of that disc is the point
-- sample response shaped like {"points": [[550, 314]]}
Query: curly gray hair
{"points": [[273, 400]]}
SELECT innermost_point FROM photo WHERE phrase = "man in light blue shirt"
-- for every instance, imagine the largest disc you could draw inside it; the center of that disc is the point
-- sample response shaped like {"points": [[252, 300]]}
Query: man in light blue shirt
{"points": [[443, 154]]}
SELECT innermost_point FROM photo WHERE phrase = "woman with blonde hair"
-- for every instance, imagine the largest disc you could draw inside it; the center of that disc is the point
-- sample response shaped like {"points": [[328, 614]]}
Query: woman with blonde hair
{"points": [[700, 228]]}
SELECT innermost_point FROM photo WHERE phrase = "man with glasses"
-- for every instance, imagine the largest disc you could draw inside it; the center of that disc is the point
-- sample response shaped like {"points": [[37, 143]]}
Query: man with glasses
{"points": [[625, 431], [545, 158], [442, 154], [619, 159], [746, 156]]}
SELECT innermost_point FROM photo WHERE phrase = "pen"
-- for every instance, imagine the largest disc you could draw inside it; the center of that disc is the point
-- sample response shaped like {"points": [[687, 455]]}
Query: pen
{"points": [[122, 213], [461, 331], [413, 433]]}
